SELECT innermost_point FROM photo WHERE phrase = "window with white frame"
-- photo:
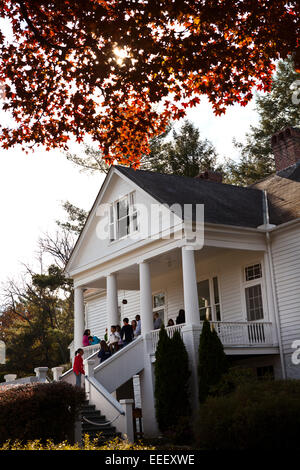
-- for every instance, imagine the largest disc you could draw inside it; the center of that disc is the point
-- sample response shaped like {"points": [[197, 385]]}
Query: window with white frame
{"points": [[253, 292], [123, 219], [159, 300]]}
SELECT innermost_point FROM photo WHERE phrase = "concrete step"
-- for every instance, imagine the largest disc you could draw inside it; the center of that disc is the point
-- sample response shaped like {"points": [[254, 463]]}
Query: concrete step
{"points": [[102, 432]]}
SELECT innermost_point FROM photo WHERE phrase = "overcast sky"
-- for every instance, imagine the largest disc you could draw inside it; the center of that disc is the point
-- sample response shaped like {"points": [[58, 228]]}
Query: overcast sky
{"points": [[32, 186]]}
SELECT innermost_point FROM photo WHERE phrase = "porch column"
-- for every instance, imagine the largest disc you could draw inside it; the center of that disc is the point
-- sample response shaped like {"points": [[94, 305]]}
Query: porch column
{"points": [[112, 300], [191, 303], [79, 317], [145, 298]]}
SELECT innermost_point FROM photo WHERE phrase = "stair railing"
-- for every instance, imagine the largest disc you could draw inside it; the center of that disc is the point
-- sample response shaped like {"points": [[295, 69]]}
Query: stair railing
{"points": [[104, 401]]}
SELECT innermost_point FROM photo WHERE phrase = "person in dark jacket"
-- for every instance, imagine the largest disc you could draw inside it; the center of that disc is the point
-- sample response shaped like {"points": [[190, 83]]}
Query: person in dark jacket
{"points": [[104, 352], [181, 317], [126, 332]]}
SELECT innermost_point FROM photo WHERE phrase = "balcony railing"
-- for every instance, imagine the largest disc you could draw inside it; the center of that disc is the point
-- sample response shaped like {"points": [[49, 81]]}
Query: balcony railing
{"points": [[232, 334]]}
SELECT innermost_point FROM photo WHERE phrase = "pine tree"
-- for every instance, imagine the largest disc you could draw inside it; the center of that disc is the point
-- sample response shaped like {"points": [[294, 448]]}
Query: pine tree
{"points": [[276, 111], [212, 361], [171, 381], [185, 154]]}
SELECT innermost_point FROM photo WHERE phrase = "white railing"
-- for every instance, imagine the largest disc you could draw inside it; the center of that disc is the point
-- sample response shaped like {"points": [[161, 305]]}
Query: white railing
{"points": [[90, 350], [244, 333], [154, 334], [232, 334]]}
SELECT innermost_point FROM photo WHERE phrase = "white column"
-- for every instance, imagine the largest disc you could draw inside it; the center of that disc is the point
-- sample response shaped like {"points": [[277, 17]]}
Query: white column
{"points": [[147, 386], [112, 301], [191, 303], [145, 298], [79, 317]]}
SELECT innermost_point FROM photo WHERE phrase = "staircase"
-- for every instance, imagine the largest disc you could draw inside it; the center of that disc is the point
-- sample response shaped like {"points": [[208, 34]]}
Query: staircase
{"points": [[107, 431]]}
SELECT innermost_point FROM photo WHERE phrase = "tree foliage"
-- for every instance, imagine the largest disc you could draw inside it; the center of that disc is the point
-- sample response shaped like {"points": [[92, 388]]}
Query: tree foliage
{"points": [[121, 70], [171, 380], [276, 110], [212, 361], [37, 317], [41, 321], [184, 154]]}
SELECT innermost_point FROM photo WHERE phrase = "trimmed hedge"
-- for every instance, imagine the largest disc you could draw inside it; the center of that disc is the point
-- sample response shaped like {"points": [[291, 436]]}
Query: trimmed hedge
{"points": [[39, 411], [259, 415]]}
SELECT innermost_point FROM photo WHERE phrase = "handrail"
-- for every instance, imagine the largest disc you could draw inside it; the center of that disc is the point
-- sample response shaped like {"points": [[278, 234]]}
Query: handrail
{"points": [[106, 423], [105, 394]]}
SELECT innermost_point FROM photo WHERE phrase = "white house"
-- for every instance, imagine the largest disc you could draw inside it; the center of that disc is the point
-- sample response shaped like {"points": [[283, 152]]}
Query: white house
{"points": [[239, 267]]}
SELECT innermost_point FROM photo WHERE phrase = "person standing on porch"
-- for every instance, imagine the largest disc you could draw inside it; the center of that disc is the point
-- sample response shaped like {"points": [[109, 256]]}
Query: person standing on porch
{"points": [[181, 317], [126, 332], [114, 339], [85, 338], [78, 366], [138, 330], [156, 322]]}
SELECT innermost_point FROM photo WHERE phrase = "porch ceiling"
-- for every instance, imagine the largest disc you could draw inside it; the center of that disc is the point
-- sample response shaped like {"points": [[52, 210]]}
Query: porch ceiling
{"points": [[128, 278]]}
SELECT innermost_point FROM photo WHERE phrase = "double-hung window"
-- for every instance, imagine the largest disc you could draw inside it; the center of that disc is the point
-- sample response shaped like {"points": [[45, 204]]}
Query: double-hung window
{"points": [[123, 219], [253, 292]]}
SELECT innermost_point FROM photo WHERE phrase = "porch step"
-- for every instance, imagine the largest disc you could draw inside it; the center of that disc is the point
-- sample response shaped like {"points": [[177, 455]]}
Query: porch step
{"points": [[103, 432]]}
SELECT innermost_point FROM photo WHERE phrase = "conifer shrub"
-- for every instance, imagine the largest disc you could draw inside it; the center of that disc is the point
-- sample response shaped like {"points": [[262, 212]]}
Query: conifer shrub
{"points": [[212, 361], [262, 415], [39, 411], [171, 383]]}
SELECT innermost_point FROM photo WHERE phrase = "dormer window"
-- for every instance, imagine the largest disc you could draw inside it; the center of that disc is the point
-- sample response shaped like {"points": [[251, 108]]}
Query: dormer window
{"points": [[123, 217]]}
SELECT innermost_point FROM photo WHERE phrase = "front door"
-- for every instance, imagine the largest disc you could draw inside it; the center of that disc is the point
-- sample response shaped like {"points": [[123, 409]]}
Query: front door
{"points": [[204, 300], [209, 299]]}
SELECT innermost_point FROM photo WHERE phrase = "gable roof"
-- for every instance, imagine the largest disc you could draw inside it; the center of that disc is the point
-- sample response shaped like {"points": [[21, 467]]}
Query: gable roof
{"points": [[223, 203]]}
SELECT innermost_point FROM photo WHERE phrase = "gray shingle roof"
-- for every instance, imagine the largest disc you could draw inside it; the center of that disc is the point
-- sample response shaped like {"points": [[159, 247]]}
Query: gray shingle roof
{"points": [[283, 191], [223, 203]]}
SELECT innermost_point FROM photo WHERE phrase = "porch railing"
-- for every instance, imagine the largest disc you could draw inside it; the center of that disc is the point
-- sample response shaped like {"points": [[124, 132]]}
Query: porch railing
{"points": [[154, 334], [90, 350], [244, 333], [232, 334]]}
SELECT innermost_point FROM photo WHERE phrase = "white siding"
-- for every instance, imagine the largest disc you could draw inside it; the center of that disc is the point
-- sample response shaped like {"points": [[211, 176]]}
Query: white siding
{"points": [[286, 258], [96, 317]]}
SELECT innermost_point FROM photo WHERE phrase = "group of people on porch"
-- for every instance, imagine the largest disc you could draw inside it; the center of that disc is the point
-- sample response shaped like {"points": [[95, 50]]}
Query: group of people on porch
{"points": [[117, 339]]}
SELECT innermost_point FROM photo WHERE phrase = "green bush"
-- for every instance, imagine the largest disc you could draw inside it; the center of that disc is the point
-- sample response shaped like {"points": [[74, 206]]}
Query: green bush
{"points": [[40, 411], [212, 361], [171, 382], [231, 380], [259, 415]]}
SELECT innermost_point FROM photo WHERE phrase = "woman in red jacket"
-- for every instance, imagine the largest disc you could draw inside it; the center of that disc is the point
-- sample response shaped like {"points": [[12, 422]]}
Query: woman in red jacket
{"points": [[78, 366]]}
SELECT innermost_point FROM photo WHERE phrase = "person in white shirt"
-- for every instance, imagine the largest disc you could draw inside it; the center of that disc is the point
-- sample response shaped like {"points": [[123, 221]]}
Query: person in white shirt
{"points": [[114, 339], [138, 330]]}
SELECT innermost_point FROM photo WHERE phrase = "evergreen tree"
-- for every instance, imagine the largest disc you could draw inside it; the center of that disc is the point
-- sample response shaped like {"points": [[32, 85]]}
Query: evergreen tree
{"points": [[212, 361], [162, 387], [185, 154], [171, 380], [276, 110]]}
